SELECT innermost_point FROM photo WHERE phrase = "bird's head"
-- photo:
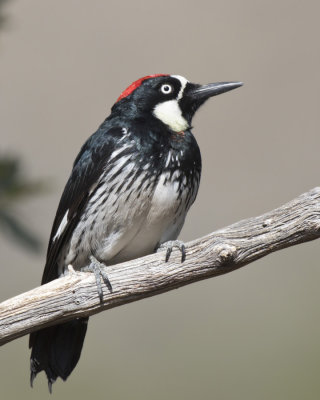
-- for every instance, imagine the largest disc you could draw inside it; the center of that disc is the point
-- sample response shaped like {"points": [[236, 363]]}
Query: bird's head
{"points": [[170, 98]]}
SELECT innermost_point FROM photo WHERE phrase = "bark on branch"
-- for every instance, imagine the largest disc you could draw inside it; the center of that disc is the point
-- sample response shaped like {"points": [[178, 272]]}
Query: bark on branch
{"points": [[217, 253]]}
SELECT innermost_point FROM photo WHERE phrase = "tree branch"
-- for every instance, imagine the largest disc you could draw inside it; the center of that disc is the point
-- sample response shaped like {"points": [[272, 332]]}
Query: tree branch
{"points": [[217, 253]]}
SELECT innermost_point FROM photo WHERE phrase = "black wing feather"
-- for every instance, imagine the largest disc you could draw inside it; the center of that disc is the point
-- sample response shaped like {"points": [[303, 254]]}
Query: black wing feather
{"points": [[87, 169]]}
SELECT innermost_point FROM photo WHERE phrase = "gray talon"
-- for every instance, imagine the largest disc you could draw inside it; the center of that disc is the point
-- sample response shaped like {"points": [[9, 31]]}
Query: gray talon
{"points": [[96, 268], [169, 247]]}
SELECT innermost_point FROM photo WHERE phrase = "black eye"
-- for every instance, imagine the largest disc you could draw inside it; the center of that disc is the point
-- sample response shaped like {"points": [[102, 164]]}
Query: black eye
{"points": [[166, 88]]}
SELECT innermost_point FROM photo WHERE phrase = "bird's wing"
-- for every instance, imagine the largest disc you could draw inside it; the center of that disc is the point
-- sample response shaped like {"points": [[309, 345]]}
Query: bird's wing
{"points": [[84, 179]]}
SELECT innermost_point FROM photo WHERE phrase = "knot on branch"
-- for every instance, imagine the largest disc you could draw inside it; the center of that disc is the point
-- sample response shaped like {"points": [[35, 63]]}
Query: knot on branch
{"points": [[267, 222], [226, 253]]}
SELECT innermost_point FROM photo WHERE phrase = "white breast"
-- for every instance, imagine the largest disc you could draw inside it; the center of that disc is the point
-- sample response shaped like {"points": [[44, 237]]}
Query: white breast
{"points": [[165, 201], [163, 222]]}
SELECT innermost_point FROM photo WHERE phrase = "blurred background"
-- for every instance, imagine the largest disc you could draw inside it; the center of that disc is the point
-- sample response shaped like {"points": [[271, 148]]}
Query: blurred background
{"points": [[251, 334]]}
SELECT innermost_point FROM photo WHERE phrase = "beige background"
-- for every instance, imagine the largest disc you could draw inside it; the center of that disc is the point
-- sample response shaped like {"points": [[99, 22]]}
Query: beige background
{"points": [[251, 334]]}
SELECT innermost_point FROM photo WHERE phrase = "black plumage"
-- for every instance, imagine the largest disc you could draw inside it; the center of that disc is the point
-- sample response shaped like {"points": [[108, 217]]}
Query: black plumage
{"points": [[130, 188]]}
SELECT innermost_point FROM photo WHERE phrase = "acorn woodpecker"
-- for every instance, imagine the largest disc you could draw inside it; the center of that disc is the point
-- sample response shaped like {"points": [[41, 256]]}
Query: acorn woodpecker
{"points": [[128, 194]]}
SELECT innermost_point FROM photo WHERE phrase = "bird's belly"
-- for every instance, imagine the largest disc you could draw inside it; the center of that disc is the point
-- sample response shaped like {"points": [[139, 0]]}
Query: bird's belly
{"points": [[144, 223], [163, 222]]}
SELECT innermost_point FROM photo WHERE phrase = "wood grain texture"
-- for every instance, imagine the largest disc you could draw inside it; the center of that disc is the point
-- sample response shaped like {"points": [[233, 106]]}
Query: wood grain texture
{"points": [[225, 250]]}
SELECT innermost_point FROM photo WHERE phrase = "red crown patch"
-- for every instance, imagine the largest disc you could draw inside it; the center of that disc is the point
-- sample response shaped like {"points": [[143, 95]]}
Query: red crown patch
{"points": [[136, 84]]}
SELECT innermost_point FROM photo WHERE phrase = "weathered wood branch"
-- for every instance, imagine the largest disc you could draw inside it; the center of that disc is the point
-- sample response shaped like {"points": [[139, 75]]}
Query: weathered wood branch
{"points": [[217, 253]]}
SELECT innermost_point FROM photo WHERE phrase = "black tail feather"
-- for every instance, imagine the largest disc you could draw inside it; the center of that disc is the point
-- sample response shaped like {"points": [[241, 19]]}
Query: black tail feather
{"points": [[56, 350]]}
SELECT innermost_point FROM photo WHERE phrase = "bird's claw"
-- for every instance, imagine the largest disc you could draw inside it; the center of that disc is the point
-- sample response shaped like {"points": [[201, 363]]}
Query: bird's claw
{"points": [[169, 247], [96, 267]]}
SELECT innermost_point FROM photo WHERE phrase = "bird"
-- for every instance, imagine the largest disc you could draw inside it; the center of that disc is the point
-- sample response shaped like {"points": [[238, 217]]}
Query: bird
{"points": [[127, 196]]}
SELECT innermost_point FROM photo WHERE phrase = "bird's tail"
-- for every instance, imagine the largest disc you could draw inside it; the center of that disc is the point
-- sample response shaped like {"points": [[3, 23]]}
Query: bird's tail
{"points": [[57, 349]]}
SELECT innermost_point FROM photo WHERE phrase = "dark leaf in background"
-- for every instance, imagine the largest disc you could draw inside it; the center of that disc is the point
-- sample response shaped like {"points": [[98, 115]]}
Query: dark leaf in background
{"points": [[9, 224], [2, 17], [14, 187], [13, 184]]}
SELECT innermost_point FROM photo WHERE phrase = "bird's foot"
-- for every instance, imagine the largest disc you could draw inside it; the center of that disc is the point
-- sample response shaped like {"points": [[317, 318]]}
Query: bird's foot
{"points": [[169, 247], [96, 267]]}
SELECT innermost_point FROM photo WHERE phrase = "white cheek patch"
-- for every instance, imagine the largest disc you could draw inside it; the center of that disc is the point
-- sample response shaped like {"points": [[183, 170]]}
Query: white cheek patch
{"points": [[170, 114]]}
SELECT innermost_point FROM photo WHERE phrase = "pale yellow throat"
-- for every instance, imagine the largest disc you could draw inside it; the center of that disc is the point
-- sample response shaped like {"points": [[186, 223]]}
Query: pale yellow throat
{"points": [[170, 114]]}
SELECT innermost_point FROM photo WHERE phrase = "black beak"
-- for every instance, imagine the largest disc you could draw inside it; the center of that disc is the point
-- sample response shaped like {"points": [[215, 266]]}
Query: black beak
{"points": [[203, 92], [195, 95]]}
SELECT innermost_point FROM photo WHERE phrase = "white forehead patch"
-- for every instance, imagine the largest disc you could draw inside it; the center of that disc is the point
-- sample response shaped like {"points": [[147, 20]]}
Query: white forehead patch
{"points": [[184, 82]]}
